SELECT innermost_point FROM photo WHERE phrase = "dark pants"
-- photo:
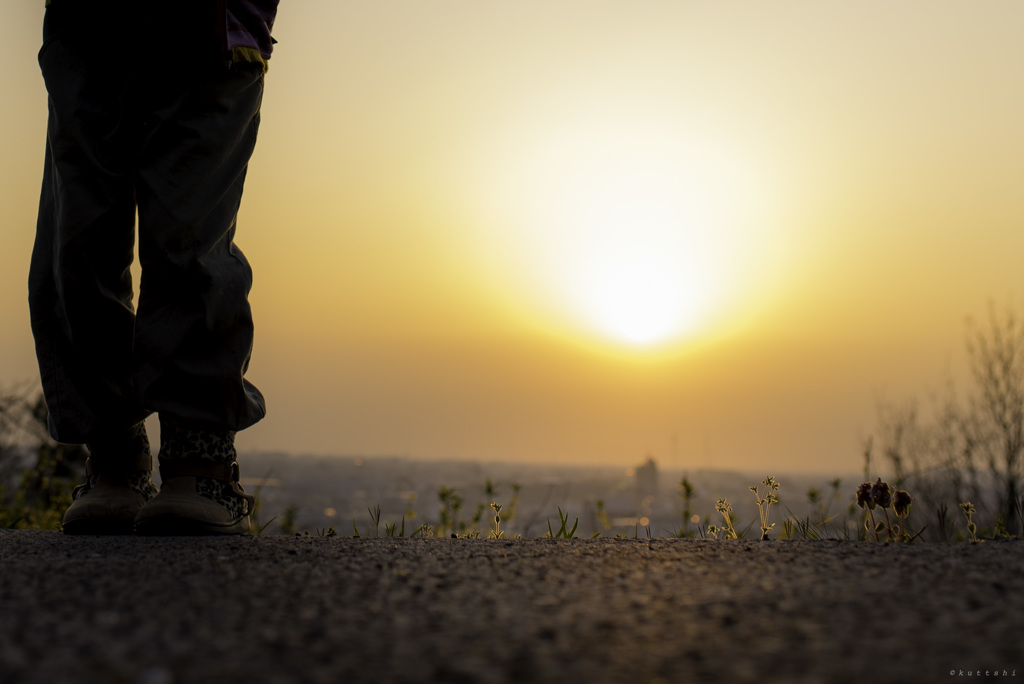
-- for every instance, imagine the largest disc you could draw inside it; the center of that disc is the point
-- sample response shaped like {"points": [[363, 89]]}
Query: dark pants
{"points": [[144, 116]]}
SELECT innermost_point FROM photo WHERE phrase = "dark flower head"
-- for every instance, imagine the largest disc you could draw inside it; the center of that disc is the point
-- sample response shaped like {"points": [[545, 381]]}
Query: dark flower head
{"points": [[864, 496], [880, 494], [901, 502]]}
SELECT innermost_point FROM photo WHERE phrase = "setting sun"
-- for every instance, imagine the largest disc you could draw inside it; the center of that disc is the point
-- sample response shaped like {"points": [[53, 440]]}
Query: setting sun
{"points": [[635, 232]]}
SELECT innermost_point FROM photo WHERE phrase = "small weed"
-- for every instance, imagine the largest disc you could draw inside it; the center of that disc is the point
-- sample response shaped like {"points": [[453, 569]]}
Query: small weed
{"points": [[686, 492], [880, 495], [496, 507], [375, 517], [704, 527], [789, 527], [602, 515], [866, 500], [969, 510], [725, 508], [258, 527], [901, 502], [389, 529], [793, 527], [288, 520], [451, 506], [1001, 530], [562, 532], [945, 526], [765, 499]]}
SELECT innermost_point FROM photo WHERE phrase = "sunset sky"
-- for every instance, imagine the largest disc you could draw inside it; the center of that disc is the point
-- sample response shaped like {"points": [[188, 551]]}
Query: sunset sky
{"points": [[588, 231]]}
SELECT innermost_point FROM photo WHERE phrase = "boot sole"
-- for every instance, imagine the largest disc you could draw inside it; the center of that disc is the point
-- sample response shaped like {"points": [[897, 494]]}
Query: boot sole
{"points": [[172, 526], [98, 526]]}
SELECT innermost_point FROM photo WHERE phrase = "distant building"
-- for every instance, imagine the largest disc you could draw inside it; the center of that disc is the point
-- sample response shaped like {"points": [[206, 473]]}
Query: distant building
{"points": [[646, 479]]}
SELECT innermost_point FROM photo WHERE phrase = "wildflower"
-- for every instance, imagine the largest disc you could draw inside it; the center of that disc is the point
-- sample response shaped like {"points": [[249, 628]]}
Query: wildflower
{"points": [[864, 496], [969, 510], [725, 508], [764, 503], [901, 503], [880, 494]]}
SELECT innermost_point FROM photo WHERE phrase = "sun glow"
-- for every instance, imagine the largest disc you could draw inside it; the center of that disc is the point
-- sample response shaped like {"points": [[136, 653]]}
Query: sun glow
{"points": [[630, 248], [632, 234]]}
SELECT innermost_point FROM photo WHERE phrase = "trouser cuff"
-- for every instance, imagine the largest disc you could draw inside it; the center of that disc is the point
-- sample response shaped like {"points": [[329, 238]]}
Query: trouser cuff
{"points": [[121, 452]]}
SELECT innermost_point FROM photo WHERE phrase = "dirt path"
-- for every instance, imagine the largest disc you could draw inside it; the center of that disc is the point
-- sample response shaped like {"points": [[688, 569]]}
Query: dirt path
{"points": [[289, 609]]}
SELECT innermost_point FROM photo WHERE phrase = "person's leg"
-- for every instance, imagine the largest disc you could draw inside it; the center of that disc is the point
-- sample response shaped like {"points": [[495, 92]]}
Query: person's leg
{"points": [[194, 331], [80, 290]]}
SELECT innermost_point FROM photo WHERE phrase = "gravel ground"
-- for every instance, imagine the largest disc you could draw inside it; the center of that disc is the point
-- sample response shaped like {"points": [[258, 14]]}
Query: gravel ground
{"points": [[311, 609]]}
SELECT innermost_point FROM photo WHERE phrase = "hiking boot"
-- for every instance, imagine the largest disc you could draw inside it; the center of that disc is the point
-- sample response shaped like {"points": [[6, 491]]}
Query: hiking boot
{"points": [[116, 487], [200, 493]]}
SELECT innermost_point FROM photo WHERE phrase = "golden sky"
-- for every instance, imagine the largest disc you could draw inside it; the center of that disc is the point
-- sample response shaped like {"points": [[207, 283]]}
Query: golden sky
{"points": [[585, 231]]}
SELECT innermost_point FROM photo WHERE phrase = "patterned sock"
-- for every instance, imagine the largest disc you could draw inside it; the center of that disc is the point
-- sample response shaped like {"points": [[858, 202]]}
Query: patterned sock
{"points": [[179, 440], [182, 441]]}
